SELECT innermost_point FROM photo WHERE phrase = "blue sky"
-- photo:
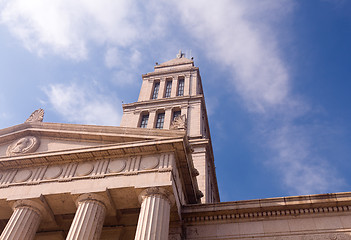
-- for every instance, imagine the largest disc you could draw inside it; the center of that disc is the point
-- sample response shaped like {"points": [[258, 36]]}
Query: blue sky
{"points": [[276, 77]]}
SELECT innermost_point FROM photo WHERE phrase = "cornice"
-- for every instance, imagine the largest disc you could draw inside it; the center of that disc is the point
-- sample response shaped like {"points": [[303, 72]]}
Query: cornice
{"points": [[91, 153], [163, 101], [87, 133], [268, 208], [168, 70]]}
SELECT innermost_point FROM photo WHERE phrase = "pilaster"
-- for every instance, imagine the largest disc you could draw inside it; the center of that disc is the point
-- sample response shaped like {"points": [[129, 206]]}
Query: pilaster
{"points": [[174, 87], [187, 85], [161, 91], [168, 117], [152, 117]]}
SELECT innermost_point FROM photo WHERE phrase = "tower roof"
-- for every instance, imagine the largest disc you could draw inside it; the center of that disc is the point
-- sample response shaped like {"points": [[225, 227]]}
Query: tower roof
{"points": [[180, 60]]}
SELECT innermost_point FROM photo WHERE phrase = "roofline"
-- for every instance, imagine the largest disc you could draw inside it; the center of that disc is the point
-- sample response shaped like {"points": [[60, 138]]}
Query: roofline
{"points": [[84, 132], [160, 72], [269, 207]]}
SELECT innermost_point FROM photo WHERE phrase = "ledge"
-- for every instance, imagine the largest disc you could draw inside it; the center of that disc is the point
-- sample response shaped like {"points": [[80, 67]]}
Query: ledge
{"points": [[270, 207]]}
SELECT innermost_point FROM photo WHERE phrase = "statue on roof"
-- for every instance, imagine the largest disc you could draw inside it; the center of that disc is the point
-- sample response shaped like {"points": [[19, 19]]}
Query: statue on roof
{"points": [[36, 116], [180, 54]]}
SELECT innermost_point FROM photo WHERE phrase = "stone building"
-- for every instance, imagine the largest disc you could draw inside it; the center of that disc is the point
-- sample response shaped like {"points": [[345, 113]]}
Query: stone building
{"points": [[151, 178]]}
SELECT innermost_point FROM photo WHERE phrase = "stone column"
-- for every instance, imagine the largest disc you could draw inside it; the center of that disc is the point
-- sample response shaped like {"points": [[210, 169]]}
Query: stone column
{"points": [[24, 221], [153, 222], [89, 218]]}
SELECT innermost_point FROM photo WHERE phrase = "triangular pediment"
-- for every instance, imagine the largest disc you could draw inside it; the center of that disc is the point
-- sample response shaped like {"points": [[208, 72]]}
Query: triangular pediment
{"points": [[42, 137]]}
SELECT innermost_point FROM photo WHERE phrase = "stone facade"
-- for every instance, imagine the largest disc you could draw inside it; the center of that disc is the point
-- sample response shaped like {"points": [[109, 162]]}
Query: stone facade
{"points": [[151, 178]]}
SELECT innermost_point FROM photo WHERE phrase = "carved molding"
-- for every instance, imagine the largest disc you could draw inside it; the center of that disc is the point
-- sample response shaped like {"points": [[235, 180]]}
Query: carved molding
{"points": [[160, 192], [82, 170], [94, 197], [35, 206], [23, 145]]}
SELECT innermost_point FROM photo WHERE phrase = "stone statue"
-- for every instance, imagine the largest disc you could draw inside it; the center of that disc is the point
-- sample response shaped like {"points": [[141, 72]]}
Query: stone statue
{"points": [[179, 122], [36, 116]]}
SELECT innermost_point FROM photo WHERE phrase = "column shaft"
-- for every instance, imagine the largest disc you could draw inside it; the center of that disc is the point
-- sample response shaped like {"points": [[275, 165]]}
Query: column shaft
{"points": [[88, 220], [23, 224], [153, 222]]}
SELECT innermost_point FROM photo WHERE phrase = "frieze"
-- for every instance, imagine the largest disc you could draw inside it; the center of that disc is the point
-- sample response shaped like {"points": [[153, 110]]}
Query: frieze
{"points": [[91, 169]]}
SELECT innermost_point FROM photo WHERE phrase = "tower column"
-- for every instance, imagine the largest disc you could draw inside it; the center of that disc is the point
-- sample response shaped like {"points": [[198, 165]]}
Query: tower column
{"points": [[89, 218], [152, 116], [161, 91], [187, 85], [153, 222], [24, 221], [174, 87]]}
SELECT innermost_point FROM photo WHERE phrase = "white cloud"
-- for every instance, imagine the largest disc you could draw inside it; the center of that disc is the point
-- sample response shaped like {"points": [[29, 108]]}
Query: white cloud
{"points": [[66, 27], [79, 104], [302, 168], [126, 67]]}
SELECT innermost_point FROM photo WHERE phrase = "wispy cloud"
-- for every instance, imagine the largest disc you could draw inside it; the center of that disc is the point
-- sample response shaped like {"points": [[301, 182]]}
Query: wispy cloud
{"points": [[79, 104], [67, 28], [242, 36], [125, 64]]}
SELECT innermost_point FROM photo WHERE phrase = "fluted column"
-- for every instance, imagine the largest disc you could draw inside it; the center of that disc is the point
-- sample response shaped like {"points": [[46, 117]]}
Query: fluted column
{"points": [[89, 218], [153, 222], [24, 221]]}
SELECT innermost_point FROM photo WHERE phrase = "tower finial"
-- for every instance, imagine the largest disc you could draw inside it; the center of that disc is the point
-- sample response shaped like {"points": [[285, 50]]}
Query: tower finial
{"points": [[180, 54]]}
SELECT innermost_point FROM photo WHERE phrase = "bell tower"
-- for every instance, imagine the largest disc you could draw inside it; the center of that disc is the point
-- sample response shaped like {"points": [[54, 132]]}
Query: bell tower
{"points": [[171, 97]]}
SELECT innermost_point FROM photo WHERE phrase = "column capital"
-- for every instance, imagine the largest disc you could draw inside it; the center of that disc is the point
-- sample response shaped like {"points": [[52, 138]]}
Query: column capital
{"points": [[93, 197], [35, 206], [157, 191]]}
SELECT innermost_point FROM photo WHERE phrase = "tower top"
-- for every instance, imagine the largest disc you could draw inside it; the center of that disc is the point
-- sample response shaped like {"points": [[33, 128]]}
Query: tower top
{"points": [[180, 54], [179, 61]]}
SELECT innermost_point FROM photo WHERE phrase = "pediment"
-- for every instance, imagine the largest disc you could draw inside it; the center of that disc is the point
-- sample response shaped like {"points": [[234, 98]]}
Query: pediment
{"points": [[41, 137]]}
